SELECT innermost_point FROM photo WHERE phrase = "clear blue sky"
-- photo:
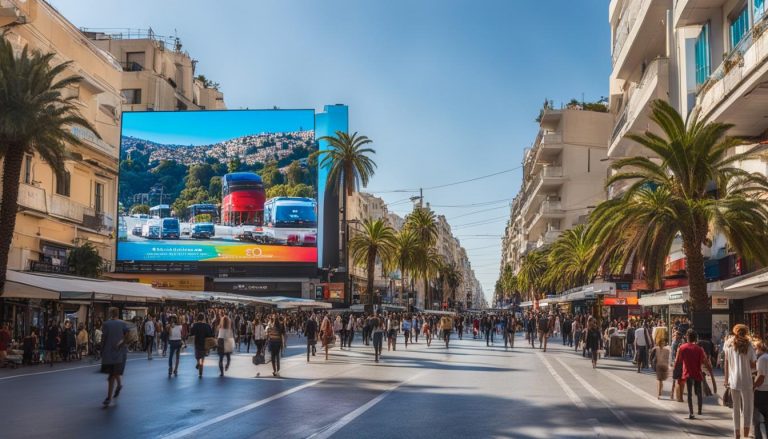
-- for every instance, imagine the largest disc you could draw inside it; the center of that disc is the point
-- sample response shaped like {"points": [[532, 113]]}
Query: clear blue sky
{"points": [[206, 127], [447, 89]]}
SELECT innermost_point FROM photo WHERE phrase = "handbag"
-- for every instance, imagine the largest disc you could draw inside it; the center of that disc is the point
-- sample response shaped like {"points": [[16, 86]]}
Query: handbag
{"points": [[707, 389], [727, 398], [210, 343], [258, 359]]}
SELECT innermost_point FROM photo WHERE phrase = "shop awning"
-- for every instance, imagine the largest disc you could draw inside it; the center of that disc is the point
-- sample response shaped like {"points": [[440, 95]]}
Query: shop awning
{"points": [[750, 285], [282, 302], [675, 296]]}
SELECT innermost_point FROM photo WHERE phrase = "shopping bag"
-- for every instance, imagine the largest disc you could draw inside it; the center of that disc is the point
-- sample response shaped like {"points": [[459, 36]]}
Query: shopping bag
{"points": [[258, 359], [707, 389], [727, 398], [210, 343]]}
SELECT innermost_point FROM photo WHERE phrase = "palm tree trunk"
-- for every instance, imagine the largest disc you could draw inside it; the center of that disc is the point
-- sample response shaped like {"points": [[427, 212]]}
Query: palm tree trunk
{"points": [[345, 244], [11, 175], [371, 272], [402, 291], [427, 300], [697, 281]]}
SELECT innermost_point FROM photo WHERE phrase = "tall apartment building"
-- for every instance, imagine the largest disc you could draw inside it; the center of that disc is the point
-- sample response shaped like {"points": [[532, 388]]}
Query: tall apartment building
{"points": [[157, 73], [563, 180], [57, 214]]}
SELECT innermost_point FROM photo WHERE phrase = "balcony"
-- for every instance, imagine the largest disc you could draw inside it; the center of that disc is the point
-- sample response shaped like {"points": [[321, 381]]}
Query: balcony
{"points": [[737, 91], [547, 180], [90, 139], [63, 207], [549, 209], [101, 222], [689, 12], [640, 34], [635, 117], [548, 238], [32, 197], [131, 66]]}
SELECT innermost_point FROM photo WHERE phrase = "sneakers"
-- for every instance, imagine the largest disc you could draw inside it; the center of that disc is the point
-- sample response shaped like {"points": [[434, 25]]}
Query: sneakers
{"points": [[117, 391], [106, 402]]}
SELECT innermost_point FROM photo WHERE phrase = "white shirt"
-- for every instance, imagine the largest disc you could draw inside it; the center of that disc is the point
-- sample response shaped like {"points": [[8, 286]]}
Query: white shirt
{"points": [[739, 369], [149, 328], [640, 336], [258, 332], [762, 369], [175, 333]]}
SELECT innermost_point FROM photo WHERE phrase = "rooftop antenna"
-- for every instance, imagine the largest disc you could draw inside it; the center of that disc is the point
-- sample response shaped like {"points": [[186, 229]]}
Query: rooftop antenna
{"points": [[176, 41]]}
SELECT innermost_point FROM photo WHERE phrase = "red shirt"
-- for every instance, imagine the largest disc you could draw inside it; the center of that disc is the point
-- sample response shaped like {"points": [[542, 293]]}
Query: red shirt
{"points": [[692, 356]]}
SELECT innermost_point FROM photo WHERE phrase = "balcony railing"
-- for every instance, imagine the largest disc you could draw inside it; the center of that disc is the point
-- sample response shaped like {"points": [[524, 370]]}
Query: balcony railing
{"points": [[131, 66], [552, 171], [626, 23], [638, 96], [64, 207]]}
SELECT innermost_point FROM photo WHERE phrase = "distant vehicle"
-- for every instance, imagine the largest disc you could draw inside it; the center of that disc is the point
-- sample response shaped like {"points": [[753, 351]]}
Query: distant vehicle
{"points": [[160, 211], [290, 221], [136, 230], [169, 228], [196, 210], [140, 216], [202, 230], [242, 200], [122, 230], [152, 229]]}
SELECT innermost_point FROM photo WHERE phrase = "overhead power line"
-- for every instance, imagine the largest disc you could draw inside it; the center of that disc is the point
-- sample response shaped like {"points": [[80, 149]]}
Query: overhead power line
{"points": [[469, 180], [477, 211]]}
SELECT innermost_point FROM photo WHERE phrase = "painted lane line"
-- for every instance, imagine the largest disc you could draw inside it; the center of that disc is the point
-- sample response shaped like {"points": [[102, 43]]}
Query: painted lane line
{"points": [[189, 430], [566, 388], [341, 423], [620, 415], [639, 392]]}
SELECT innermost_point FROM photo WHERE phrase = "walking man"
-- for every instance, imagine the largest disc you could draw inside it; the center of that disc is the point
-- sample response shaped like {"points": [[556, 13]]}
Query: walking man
{"points": [[149, 335], [116, 336], [310, 331]]}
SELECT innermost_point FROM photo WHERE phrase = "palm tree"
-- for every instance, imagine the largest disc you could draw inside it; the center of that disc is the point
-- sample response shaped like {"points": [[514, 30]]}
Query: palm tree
{"points": [[696, 187], [349, 165], [428, 263], [406, 250], [423, 223], [531, 277], [571, 262], [376, 241], [35, 117], [85, 261], [509, 282], [452, 278]]}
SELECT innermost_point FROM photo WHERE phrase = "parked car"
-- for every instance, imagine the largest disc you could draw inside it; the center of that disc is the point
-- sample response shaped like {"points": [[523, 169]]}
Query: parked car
{"points": [[203, 230]]}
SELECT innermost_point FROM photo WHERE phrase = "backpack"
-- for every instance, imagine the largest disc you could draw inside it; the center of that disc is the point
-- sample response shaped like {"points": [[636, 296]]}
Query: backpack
{"points": [[543, 324]]}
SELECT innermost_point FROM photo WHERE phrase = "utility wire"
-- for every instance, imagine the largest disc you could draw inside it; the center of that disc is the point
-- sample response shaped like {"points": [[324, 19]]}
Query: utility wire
{"points": [[477, 211], [448, 184]]}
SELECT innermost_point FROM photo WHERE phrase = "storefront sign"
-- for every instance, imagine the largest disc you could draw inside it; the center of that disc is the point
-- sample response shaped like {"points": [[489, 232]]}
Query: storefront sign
{"points": [[676, 309], [614, 301], [333, 291], [194, 283], [719, 302], [675, 295]]}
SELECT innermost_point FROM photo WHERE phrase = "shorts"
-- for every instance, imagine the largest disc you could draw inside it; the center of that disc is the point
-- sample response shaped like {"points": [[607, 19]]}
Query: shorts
{"points": [[200, 353], [113, 369], [392, 333]]}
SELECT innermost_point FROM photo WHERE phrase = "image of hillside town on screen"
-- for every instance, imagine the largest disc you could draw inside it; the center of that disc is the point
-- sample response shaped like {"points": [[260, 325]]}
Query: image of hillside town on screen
{"points": [[218, 186]]}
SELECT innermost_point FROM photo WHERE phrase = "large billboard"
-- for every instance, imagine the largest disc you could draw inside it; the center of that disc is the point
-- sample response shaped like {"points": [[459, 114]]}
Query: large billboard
{"points": [[218, 187]]}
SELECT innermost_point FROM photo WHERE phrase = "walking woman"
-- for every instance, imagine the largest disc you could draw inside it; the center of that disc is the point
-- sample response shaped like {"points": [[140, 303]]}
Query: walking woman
{"points": [[225, 342], [200, 332], [660, 355], [740, 359], [594, 340], [174, 341], [326, 334], [259, 336], [275, 332]]}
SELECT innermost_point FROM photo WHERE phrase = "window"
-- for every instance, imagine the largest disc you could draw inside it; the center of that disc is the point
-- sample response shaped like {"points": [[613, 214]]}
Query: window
{"points": [[63, 182], [134, 61], [758, 10], [28, 169], [739, 26], [132, 96], [98, 197], [703, 60]]}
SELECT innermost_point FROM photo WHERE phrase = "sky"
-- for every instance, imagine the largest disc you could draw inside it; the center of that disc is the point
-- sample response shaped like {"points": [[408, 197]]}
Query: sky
{"points": [[447, 89], [207, 127]]}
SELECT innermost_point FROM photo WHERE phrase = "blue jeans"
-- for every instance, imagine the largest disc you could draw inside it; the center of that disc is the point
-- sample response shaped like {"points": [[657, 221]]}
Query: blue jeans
{"points": [[175, 349]]}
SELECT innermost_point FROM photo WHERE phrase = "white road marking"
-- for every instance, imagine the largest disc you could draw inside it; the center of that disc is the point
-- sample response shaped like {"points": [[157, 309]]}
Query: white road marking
{"points": [[665, 407], [620, 415], [197, 427], [22, 375], [341, 423]]}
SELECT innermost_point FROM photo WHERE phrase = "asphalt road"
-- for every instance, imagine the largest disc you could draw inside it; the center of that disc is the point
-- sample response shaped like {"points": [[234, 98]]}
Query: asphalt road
{"points": [[469, 390]]}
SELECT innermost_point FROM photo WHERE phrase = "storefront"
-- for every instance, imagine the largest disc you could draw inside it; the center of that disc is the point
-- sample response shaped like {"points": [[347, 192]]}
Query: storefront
{"points": [[747, 301], [674, 304]]}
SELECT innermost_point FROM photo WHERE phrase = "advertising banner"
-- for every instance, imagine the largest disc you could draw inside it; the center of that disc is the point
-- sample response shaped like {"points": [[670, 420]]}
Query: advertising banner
{"points": [[218, 187]]}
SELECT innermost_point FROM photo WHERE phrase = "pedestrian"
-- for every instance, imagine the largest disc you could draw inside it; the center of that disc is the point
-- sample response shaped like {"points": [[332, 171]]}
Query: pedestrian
{"points": [[201, 333], [275, 332], [677, 370], [416, 325], [52, 337], [630, 341], [350, 330], [740, 359], [693, 358], [427, 332], [116, 336], [761, 387], [406, 331], [543, 330], [225, 342], [248, 335], [310, 332], [593, 340], [149, 335], [377, 328], [82, 341], [174, 341], [68, 341], [642, 346], [326, 334], [259, 336], [5, 342], [510, 328], [576, 330], [393, 325], [446, 324], [660, 356], [338, 328]]}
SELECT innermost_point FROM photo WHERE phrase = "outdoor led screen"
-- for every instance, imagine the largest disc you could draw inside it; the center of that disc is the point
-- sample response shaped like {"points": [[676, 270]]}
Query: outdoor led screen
{"points": [[218, 187]]}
